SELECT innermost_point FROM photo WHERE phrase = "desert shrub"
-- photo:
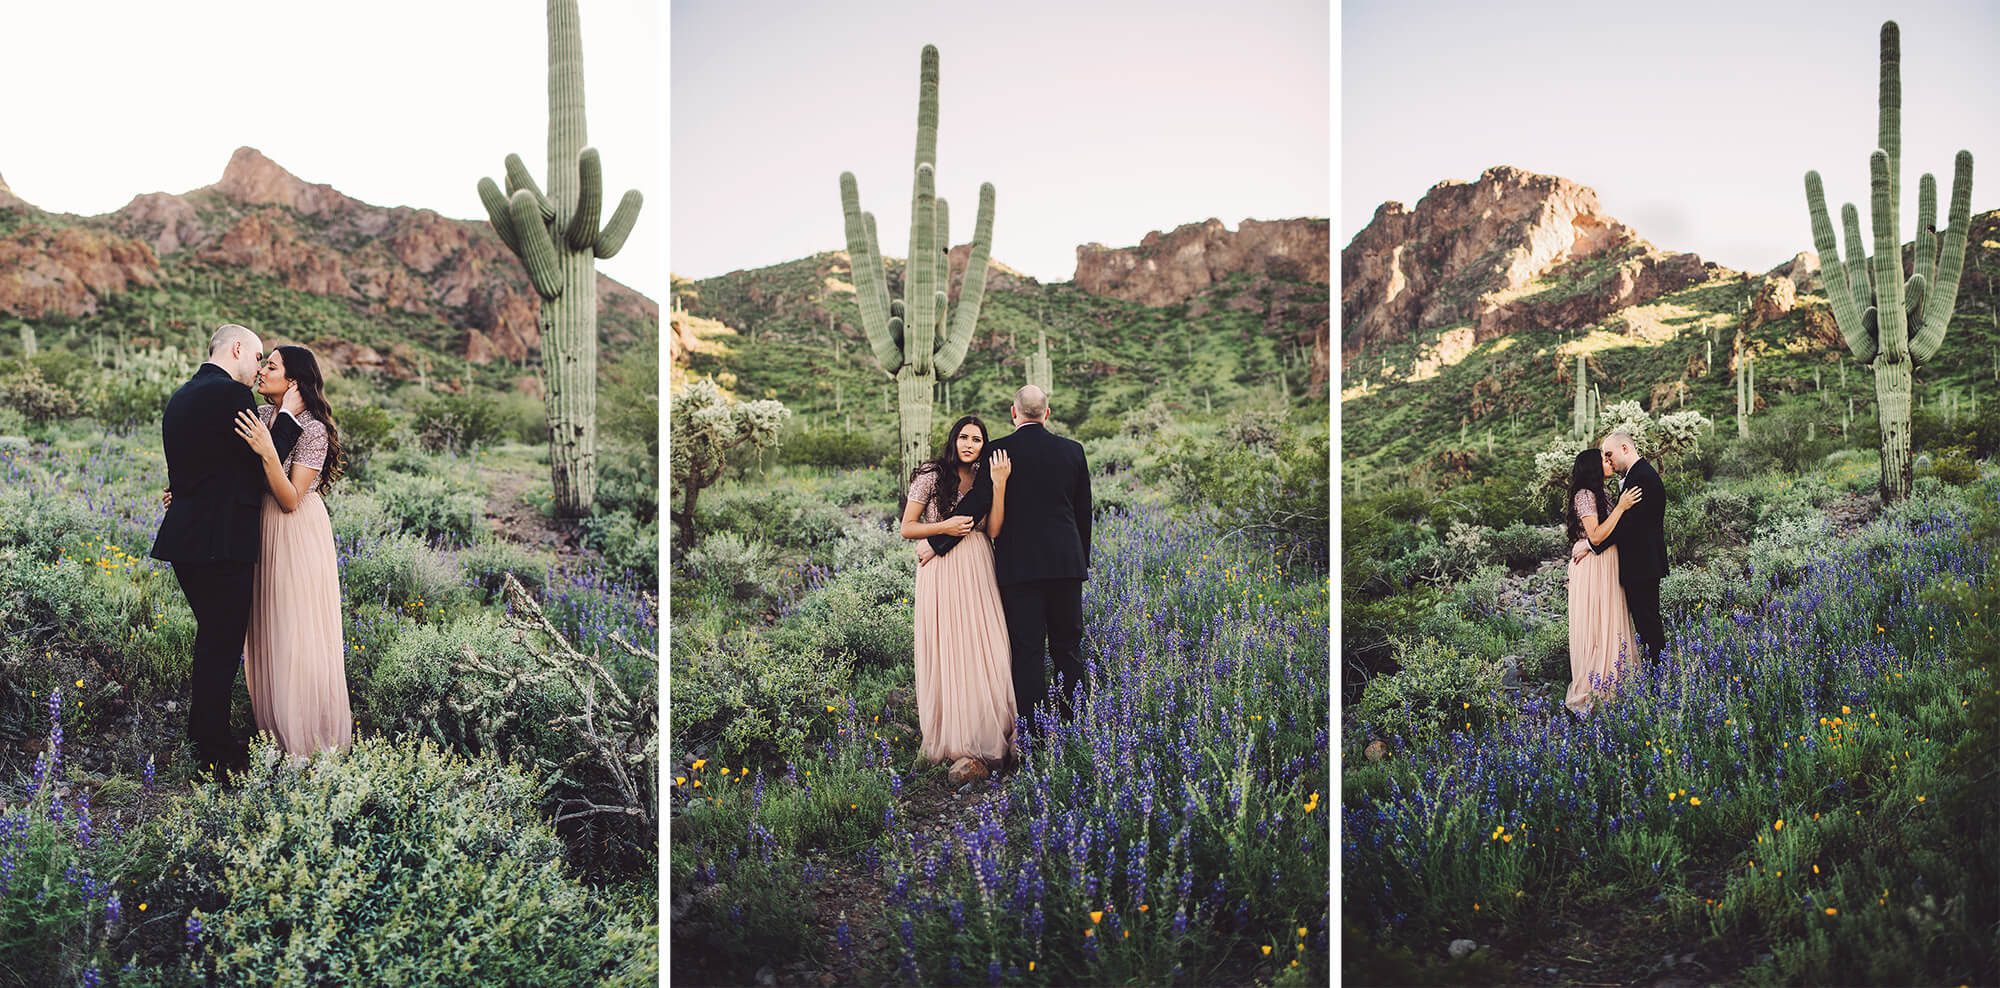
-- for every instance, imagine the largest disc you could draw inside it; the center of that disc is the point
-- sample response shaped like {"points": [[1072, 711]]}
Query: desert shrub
{"points": [[749, 696], [456, 423], [422, 684], [37, 397], [1785, 546], [1699, 527], [1523, 546], [1439, 689], [743, 910], [834, 449], [851, 487], [1690, 589], [364, 429], [863, 613], [731, 561], [628, 480], [791, 522], [1280, 490], [1442, 563], [398, 573], [1544, 652], [1793, 438], [357, 516], [627, 544], [1480, 593], [439, 866], [434, 507], [1950, 464], [487, 562], [521, 417], [123, 403]]}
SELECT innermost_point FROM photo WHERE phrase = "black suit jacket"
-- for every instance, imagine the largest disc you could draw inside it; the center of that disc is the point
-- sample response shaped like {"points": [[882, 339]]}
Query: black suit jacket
{"points": [[217, 482], [1045, 532], [1641, 533]]}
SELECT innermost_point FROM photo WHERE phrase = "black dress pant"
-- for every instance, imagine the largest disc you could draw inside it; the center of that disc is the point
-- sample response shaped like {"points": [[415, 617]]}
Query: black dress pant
{"points": [[219, 595], [1041, 611], [1642, 597]]}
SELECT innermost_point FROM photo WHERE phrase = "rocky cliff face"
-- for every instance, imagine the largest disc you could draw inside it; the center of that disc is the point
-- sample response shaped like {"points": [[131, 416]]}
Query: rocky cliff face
{"points": [[1170, 268], [307, 237], [1476, 253]]}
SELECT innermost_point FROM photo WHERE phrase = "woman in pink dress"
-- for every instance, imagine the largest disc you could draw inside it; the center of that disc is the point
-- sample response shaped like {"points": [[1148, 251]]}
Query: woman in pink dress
{"points": [[293, 658], [964, 672], [1600, 625]]}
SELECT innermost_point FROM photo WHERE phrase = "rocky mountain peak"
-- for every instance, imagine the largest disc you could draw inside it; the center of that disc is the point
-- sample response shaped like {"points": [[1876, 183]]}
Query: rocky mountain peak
{"points": [[1171, 268], [255, 180], [1473, 252]]}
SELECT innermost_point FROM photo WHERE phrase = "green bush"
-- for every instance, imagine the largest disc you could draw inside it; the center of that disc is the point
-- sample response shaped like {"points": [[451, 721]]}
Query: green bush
{"points": [[1524, 546], [423, 867], [864, 614], [834, 449], [456, 423], [421, 684], [1690, 589], [626, 543], [747, 695], [792, 522], [1439, 689], [1949, 464], [36, 397], [485, 563], [433, 507], [1544, 652], [731, 561], [399, 573], [364, 429]]}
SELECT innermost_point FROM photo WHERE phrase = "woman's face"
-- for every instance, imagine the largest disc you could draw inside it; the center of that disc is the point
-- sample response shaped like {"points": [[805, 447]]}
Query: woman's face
{"points": [[1605, 455], [968, 443], [271, 379]]}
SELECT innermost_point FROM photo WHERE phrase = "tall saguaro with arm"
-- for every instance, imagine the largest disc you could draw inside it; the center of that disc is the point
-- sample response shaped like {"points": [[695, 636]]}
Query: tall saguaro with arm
{"points": [[559, 241], [1874, 305], [915, 339]]}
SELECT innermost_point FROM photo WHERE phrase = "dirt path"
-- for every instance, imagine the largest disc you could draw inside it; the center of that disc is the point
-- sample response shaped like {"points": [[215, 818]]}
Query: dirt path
{"points": [[510, 514]]}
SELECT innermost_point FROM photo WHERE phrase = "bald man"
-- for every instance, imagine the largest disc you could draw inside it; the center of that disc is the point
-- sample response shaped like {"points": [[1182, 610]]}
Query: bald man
{"points": [[212, 530], [1042, 553]]}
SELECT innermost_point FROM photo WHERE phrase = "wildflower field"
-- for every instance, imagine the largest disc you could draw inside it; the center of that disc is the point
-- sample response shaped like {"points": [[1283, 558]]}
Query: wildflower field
{"points": [[455, 842], [1801, 792], [1176, 832]]}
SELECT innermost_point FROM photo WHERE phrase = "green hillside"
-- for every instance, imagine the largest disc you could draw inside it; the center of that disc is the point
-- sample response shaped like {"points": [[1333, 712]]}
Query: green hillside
{"points": [[799, 340], [1407, 415]]}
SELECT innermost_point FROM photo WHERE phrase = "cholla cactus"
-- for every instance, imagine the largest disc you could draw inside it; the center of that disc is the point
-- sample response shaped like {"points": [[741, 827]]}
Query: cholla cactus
{"points": [[707, 425], [1873, 304], [558, 239]]}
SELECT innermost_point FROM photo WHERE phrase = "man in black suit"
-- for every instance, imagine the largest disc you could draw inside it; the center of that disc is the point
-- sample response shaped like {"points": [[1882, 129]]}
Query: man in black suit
{"points": [[212, 527], [1042, 553], [1642, 542]]}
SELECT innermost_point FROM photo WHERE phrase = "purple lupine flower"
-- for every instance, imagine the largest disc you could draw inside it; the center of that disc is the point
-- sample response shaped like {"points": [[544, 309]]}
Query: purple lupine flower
{"points": [[193, 930]]}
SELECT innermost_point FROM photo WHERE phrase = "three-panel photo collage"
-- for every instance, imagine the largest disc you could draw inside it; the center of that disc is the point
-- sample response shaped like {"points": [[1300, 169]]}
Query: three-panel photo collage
{"points": [[687, 492]]}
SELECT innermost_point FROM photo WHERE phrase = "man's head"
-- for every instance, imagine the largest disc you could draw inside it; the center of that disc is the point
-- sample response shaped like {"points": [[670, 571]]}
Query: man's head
{"points": [[1031, 404], [237, 350], [1619, 450]]}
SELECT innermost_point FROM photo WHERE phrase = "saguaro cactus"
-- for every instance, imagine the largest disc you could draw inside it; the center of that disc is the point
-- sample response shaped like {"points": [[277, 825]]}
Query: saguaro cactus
{"points": [[915, 339], [1746, 393], [1040, 373], [1872, 302], [1579, 425], [557, 237]]}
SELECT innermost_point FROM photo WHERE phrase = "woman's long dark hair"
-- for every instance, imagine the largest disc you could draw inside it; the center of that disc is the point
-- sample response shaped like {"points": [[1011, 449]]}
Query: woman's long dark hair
{"points": [[302, 368], [1587, 475], [945, 464]]}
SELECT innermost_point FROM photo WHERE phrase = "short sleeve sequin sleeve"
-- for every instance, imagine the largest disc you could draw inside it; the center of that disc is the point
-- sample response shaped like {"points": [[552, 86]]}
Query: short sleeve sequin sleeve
{"points": [[311, 449], [1586, 504], [923, 488]]}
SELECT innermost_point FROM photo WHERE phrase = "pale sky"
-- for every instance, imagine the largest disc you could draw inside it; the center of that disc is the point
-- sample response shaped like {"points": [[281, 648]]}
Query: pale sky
{"points": [[1694, 121], [393, 102], [1094, 122]]}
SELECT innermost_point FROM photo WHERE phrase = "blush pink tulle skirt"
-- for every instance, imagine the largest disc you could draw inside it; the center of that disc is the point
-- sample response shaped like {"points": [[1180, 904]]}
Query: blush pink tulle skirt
{"points": [[965, 679], [1600, 629], [293, 657]]}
